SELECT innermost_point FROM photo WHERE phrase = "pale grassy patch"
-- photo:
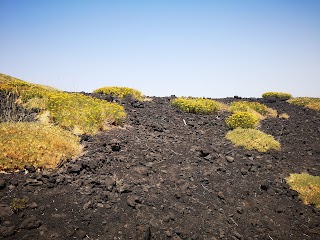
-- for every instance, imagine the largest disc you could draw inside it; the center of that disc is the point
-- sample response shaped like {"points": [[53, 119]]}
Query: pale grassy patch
{"points": [[307, 186]]}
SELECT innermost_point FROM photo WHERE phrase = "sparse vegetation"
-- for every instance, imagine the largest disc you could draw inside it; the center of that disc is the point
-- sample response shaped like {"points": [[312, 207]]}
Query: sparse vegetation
{"points": [[277, 95], [312, 103], [25, 144], [252, 139], [196, 105], [243, 120], [120, 92], [307, 186]]}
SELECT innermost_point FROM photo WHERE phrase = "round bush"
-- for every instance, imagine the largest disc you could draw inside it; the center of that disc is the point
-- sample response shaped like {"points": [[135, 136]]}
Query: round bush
{"points": [[120, 92], [277, 95], [196, 105], [242, 120]]}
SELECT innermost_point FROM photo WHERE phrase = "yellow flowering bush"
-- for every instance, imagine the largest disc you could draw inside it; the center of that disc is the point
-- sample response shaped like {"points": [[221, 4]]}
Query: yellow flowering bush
{"points": [[196, 105], [252, 139], [120, 92], [243, 120], [312, 103], [258, 109], [277, 95], [307, 186], [25, 144]]}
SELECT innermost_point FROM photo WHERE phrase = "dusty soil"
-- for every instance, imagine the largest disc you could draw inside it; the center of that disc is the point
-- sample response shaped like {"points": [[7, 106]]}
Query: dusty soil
{"points": [[159, 178]]}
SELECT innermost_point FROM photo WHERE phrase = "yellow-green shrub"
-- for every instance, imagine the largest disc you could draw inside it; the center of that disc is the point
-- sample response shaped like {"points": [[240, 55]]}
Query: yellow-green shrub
{"points": [[312, 103], [120, 92], [258, 109], [307, 186], [35, 144], [243, 120], [83, 114], [252, 139], [277, 95], [196, 105], [75, 112]]}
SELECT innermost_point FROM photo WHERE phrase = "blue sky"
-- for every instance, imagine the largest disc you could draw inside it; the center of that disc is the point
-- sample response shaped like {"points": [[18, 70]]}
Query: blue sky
{"points": [[198, 48]]}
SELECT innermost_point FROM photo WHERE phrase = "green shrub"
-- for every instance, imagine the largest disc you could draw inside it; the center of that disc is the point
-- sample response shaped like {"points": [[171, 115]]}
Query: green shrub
{"points": [[18, 204], [277, 95], [312, 103], [243, 120], [255, 108], [120, 92], [196, 105], [25, 144], [307, 186], [252, 139]]}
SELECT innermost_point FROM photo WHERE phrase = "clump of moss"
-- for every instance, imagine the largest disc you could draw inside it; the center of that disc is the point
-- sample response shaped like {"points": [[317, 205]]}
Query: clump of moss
{"points": [[252, 139], [307, 186], [243, 120], [312, 103], [196, 105], [25, 144], [277, 95], [18, 204], [120, 92]]}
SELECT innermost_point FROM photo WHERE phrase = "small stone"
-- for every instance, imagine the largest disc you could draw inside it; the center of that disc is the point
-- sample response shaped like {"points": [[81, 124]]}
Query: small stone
{"points": [[2, 184], [7, 231], [5, 211], [132, 201], [230, 159], [115, 145], [74, 168], [237, 235], [31, 223], [33, 182], [269, 167], [243, 171], [32, 205], [80, 234], [221, 195], [141, 170]]}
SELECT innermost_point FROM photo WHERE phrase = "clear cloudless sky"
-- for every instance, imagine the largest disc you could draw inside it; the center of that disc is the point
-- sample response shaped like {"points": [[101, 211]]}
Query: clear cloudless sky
{"points": [[201, 48]]}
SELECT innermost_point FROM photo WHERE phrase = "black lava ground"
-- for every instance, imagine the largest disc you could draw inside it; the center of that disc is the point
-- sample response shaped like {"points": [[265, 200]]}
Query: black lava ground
{"points": [[171, 175]]}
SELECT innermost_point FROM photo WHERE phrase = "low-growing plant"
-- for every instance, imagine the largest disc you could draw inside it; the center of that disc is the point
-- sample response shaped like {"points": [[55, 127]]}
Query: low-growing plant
{"points": [[18, 204], [243, 120], [307, 186], [120, 92], [252, 139], [277, 95], [312, 103], [25, 144], [196, 105], [258, 109]]}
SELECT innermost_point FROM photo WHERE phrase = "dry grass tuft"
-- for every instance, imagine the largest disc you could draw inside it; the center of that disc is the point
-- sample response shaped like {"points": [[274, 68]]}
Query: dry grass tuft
{"points": [[196, 105], [312, 103], [25, 144], [284, 116], [307, 186], [252, 139]]}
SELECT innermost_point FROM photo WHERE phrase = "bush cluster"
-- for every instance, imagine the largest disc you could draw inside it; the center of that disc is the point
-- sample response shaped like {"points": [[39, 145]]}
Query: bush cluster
{"points": [[196, 105], [245, 106], [242, 120], [120, 92], [29, 143], [312, 103], [277, 95], [307, 186], [252, 139]]}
